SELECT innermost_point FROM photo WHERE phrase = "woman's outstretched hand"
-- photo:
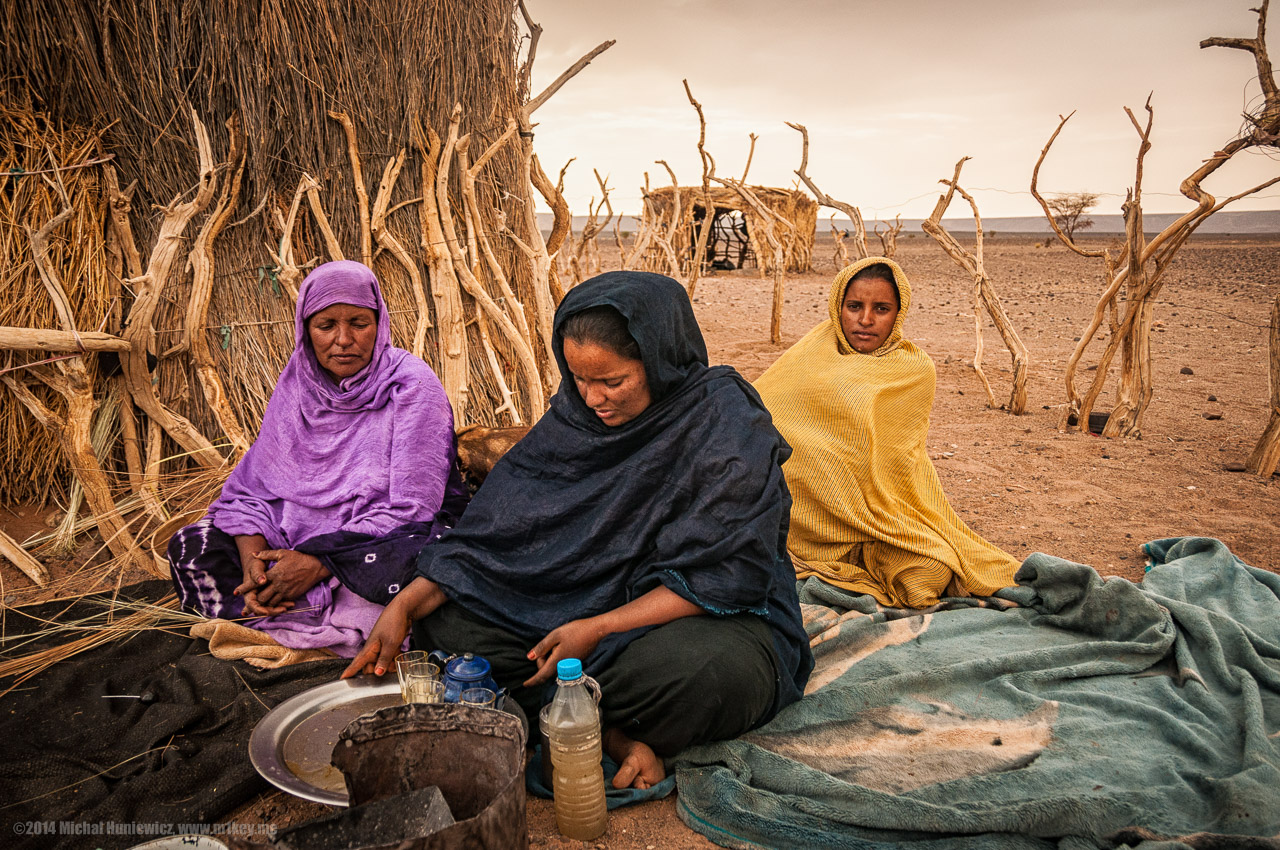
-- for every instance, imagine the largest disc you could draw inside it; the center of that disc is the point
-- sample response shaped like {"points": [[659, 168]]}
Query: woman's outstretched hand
{"points": [[418, 599], [379, 652], [575, 639]]}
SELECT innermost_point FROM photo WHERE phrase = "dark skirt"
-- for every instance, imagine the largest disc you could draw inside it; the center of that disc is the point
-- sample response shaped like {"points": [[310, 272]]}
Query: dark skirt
{"points": [[693, 680]]}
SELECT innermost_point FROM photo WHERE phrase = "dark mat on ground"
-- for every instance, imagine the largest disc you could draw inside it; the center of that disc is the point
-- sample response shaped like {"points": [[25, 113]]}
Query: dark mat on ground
{"points": [[74, 753]]}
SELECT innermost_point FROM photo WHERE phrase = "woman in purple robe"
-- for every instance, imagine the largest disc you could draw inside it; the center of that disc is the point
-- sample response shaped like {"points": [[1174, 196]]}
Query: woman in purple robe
{"points": [[352, 474]]}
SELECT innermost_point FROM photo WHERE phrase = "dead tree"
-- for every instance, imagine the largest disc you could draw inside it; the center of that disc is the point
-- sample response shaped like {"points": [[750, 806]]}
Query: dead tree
{"points": [[984, 294], [646, 224], [553, 193], [561, 257], [1266, 455], [663, 234], [1069, 211], [1135, 276], [889, 238], [841, 256], [860, 251], [586, 260]]}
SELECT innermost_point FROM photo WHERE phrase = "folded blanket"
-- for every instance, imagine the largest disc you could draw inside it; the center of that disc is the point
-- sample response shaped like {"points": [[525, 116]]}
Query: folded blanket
{"points": [[1097, 713], [234, 642]]}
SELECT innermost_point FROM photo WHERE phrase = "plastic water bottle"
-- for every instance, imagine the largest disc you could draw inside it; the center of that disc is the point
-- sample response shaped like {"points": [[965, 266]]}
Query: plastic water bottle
{"points": [[574, 731]]}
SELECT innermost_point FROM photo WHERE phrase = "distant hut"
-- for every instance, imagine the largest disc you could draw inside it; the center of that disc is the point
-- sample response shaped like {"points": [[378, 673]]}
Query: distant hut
{"points": [[733, 242], [323, 124]]}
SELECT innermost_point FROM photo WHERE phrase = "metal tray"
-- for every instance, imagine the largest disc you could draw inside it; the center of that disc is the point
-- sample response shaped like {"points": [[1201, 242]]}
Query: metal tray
{"points": [[292, 745]]}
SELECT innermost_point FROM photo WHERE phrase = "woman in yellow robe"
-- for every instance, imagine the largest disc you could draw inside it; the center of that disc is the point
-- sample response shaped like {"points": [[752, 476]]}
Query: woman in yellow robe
{"points": [[853, 399]]}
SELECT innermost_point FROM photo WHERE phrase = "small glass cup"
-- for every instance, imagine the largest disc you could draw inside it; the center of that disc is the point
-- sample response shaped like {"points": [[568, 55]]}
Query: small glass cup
{"points": [[403, 660], [479, 697], [422, 683]]}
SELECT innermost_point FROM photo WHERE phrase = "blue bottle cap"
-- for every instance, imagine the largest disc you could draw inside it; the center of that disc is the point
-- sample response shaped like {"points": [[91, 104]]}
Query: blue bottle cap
{"points": [[569, 669]]}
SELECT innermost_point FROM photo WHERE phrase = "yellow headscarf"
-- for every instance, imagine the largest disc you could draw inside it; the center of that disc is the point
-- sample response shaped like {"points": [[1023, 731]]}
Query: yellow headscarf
{"points": [[868, 511]]}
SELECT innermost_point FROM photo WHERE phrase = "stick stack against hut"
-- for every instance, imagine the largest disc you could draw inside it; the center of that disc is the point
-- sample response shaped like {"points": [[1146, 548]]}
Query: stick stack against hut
{"points": [[173, 171]]}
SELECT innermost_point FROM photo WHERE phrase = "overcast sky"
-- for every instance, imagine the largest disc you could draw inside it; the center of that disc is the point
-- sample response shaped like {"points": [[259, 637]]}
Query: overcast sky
{"points": [[894, 94]]}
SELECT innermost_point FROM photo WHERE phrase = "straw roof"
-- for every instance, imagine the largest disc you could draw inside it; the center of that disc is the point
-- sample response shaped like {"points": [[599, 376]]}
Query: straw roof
{"points": [[131, 76], [793, 206]]}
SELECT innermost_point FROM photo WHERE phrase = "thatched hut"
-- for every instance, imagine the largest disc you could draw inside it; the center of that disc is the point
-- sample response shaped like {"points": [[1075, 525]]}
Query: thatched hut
{"points": [[734, 242], [211, 155]]}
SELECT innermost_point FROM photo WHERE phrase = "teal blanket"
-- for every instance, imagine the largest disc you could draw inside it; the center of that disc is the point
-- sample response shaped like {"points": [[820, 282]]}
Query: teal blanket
{"points": [[1088, 713]]}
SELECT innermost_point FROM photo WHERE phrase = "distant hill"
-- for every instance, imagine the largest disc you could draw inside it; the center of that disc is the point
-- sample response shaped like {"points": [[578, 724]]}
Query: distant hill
{"points": [[1261, 222]]}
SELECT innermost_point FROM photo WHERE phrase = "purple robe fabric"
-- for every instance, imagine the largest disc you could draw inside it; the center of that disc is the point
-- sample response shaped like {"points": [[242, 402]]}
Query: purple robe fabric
{"points": [[348, 462], [365, 455]]}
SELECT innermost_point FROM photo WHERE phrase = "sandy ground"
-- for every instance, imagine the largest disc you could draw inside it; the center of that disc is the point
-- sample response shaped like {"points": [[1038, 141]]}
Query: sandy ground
{"points": [[1017, 480]]}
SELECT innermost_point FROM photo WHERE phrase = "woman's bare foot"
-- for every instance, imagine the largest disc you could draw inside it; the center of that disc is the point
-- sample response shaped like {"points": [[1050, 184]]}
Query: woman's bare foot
{"points": [[638, 766]]}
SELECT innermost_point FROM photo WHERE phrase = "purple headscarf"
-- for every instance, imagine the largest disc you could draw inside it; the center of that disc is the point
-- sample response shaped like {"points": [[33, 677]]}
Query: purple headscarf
{"points": [[364, 455]]}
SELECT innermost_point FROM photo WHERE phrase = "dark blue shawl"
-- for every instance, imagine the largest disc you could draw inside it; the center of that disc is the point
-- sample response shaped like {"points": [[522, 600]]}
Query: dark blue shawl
{"points": [[582, 517]]}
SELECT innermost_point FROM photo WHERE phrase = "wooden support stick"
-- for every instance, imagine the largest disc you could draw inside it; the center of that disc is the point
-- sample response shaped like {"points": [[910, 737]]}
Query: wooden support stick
{"points": [[150, 490], [519, 338], [202, 293], [385, 238], [559, 226], [708, 206], [362, 193], [569, 74], [139, 328], [1266, 455], [767, 223], [20, 558], [508, 402], [547, 289], [322, 221], [129, 435], [860, 251], [453, 365], [44, 339]]}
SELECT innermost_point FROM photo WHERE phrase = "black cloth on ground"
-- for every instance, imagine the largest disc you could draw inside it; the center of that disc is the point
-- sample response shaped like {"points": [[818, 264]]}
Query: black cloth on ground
{"points": [[692, 680], [180, 755]]}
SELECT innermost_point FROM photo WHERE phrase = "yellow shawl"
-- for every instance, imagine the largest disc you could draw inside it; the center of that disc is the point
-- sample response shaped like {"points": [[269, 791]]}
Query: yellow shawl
{"points": [[868, 511]]}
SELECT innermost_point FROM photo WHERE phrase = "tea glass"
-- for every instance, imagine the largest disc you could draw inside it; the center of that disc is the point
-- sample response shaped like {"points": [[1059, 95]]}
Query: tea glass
{"points": [[403, 660], [422, 683], [479, 697]]}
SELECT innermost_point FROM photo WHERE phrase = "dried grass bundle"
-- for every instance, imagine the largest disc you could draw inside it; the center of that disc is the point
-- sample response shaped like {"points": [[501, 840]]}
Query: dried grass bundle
{"points": [[99, 627], [32, 466]]}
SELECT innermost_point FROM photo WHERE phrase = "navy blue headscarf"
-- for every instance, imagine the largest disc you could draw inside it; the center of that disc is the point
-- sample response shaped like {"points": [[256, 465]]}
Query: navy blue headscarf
{"points": [[581, 517]]}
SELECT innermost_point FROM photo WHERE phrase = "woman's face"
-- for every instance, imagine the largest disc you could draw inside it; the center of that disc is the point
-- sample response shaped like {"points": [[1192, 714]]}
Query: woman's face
{"points": [[867, 315], [613, 386], [342, 337]]}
